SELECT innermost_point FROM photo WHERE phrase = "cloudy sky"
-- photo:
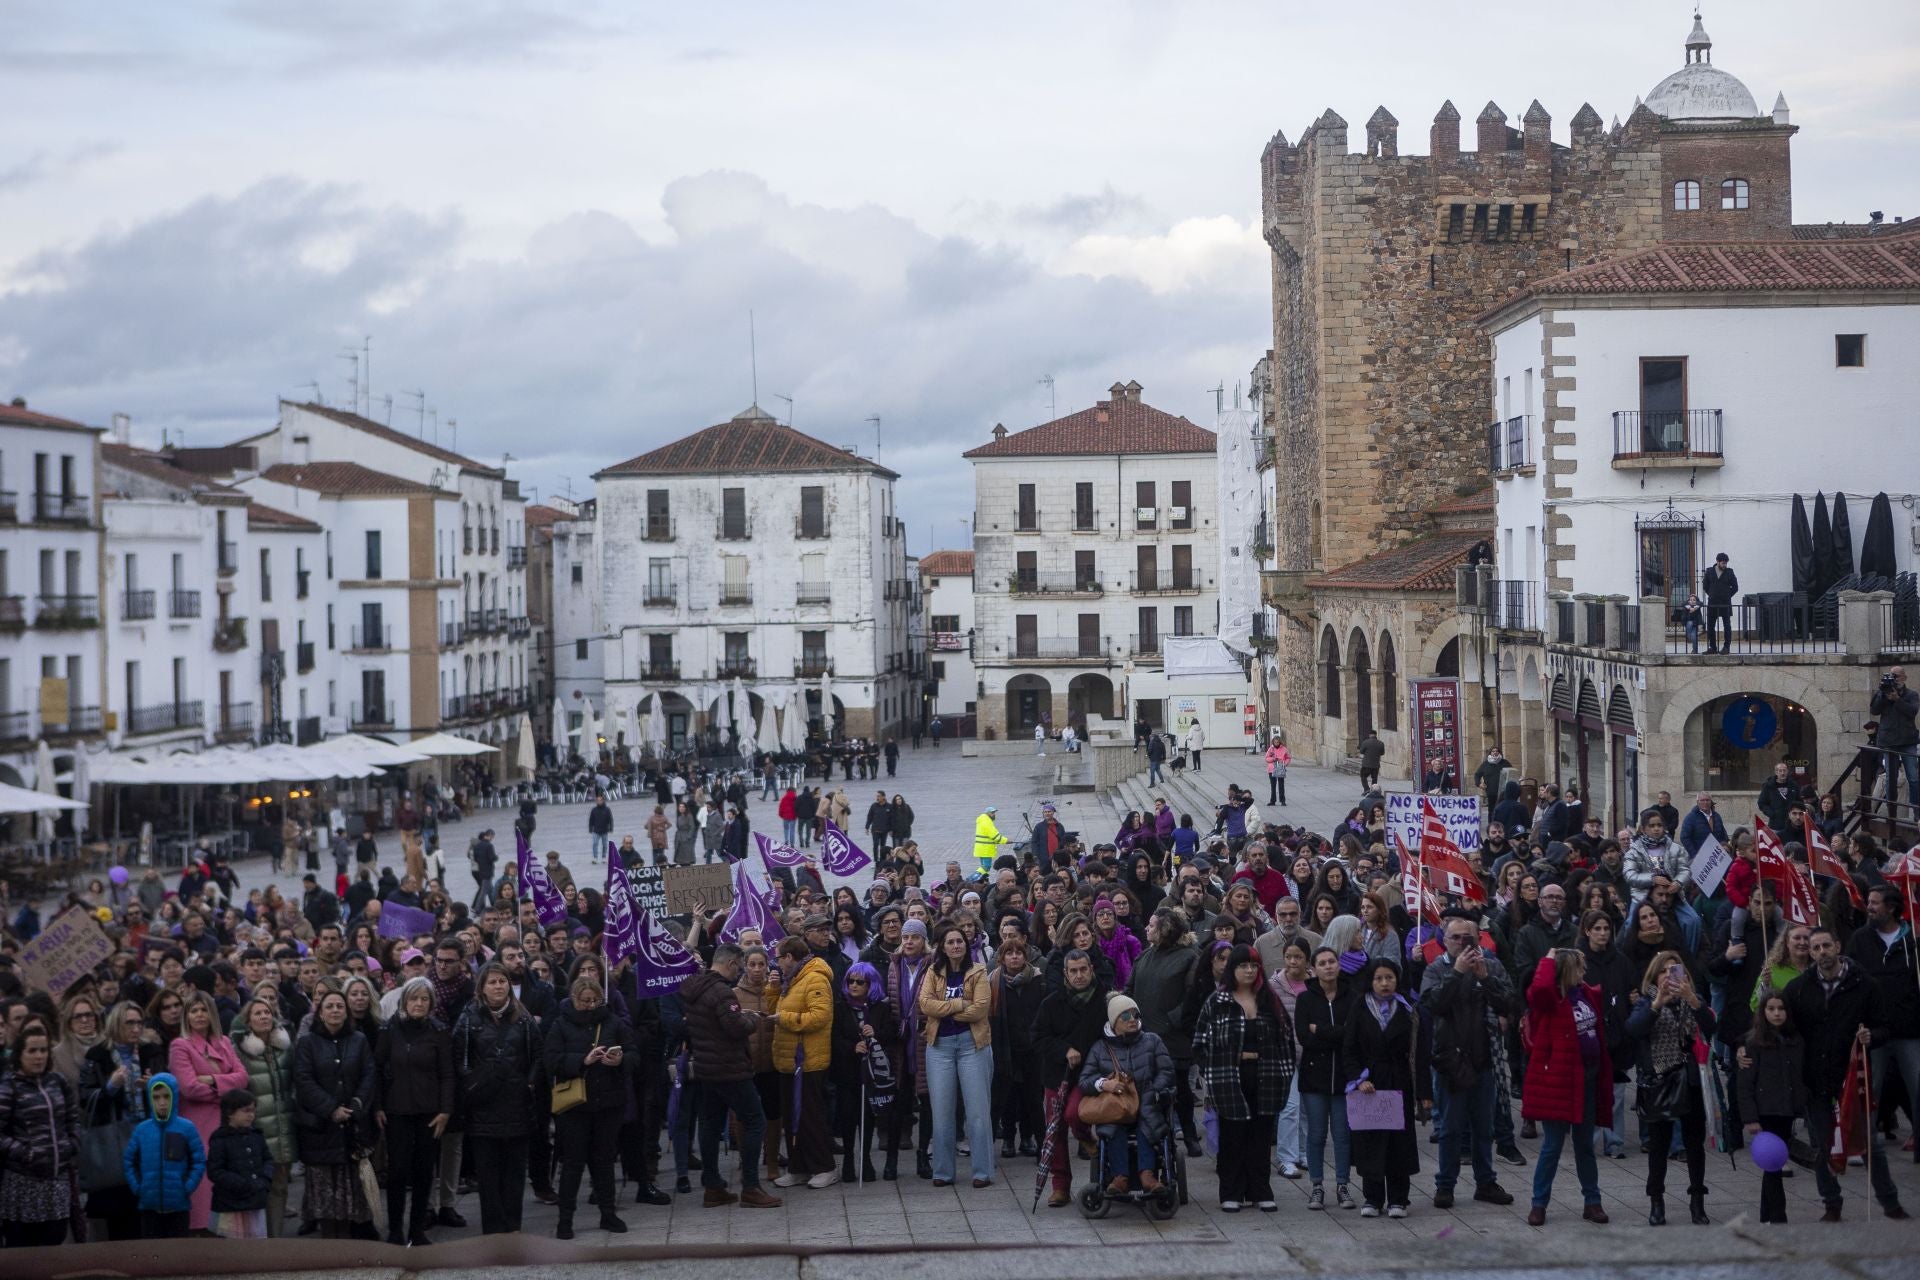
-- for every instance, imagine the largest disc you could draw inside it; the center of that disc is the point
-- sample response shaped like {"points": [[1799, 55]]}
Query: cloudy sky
{"points": [[554, 216]]}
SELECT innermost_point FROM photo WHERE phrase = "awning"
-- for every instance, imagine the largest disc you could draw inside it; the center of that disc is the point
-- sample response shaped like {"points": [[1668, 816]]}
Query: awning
{"points": [[1198, 656], [382, 753], [446, 744]]}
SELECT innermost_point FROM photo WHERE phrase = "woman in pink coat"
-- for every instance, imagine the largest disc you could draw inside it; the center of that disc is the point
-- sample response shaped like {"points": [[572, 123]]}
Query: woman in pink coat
{"points": [[207, 1065]]}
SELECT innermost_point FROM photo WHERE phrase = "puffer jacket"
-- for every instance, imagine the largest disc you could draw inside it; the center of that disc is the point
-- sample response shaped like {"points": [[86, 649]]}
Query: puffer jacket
{"points": [[164, 1162], [415, 1058], [496, 1057], [1012, 1007], [240, 1168], [806, 1019], [333, 1070], [1555, 1083], [269, 1067], [572, 1035], [1143, 1056], [1644, 859], [39, 1123], [719, 1031]]}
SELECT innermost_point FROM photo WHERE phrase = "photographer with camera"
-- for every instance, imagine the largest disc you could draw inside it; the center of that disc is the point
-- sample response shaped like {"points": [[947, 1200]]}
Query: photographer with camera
{"points": [[1897, 705]]}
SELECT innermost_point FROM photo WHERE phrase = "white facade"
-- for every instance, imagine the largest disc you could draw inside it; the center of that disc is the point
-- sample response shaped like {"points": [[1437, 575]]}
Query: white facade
{"points": [[948, 605], [579, 619]]}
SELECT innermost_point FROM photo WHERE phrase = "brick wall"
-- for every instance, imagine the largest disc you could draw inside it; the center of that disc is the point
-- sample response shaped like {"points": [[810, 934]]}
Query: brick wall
{"points": [[1710, 157]]}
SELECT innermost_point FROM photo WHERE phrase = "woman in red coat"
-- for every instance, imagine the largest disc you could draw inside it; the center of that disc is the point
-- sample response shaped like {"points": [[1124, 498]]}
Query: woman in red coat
{"points": [[1569, 1084]]}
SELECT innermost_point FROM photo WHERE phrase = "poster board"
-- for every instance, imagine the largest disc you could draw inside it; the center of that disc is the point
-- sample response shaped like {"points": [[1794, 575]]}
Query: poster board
{"points": [[64, 952]]}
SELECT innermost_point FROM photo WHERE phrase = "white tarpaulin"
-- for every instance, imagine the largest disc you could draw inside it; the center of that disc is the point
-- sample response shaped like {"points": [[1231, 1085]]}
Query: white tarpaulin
{"points": [[379, 752], [1237, 456], [1198, 656], [446, 744], [20, 800]]}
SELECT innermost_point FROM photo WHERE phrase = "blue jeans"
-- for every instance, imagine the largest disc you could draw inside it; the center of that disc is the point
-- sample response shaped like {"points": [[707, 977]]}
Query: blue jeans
{"points": [[743, 1099], [787, 826], [1286, 1133], [1820, 1119], [1153, 773], [956, 1070], [1897, 762], [1114, 1140], [1465, 1117], [1553, 1136], [1320, 1109]]}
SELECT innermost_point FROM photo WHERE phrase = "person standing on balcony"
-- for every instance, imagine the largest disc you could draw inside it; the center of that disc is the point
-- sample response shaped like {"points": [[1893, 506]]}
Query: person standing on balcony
{"points": [[1897, 706], [1721, 584]]}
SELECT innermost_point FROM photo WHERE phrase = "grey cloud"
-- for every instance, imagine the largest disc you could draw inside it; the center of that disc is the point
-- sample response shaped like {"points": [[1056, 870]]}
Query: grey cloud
{"points": [[42, 166]]}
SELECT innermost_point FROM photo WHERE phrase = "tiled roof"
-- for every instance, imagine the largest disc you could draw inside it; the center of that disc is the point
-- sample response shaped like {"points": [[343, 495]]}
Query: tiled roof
{"points": [[274, 520], [539, 516], [1843, 230], [1120, 425], [1426, 565], [344, 478], [384, 432], [156, 466], [18, 415], [751, 442], [946, 564]]}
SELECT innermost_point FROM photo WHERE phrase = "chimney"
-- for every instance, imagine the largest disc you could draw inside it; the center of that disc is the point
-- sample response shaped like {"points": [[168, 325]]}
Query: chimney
{"points": [[301, 450], [999, 433], [122, 432]]}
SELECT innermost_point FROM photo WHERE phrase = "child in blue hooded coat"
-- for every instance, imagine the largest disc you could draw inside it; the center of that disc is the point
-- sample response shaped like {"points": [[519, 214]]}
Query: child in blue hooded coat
{"points": [[164, 1162]]}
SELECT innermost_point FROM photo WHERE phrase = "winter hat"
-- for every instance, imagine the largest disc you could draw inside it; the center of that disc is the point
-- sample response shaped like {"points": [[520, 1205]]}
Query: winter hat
{"points": [[1118, 1004], [914, 928], [1102, 904]]}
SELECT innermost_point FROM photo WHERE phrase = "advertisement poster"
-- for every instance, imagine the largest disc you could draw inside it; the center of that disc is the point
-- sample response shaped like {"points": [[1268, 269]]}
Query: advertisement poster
{"points": [[1437, 761], [1185, 712]]}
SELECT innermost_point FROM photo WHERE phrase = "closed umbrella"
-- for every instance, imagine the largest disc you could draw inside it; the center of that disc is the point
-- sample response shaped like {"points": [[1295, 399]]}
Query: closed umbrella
{"points": [[769, 739], [657, 725], [826, 704], [1823, 574], [590, 738], [82, 790], [559, 728], [523, 757], [1876, 544], [793, 726], [1801, 547], [743, 713], [1842, 539], [44, 783]]}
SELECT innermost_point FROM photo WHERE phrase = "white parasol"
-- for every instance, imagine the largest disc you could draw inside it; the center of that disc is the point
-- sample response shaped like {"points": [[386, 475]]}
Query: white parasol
{"points": [[560, 734], [45, 783], [82, 790], [826, 704], [589, 737], [523, 757], [793, 729], [657, 724], [743, 711]]}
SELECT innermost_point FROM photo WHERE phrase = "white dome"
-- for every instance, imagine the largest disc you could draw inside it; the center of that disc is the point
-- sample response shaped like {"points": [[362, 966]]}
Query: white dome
{"points": [[1702, 91]]}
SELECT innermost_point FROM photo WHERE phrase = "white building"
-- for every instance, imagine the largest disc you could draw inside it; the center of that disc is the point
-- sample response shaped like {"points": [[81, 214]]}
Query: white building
{"points": [[749, 550], [578, 615], [52, 657], [946, 581], [1652, 412], [1094, 536]]}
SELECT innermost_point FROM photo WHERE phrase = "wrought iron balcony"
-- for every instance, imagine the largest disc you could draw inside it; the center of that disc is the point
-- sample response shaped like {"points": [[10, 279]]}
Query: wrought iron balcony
{"points": [[183, 604], [728, 668], [229, 635], [62, 508], [1055, 584], [370, 639], [136, 606], [61, 613], [1667, 437]]}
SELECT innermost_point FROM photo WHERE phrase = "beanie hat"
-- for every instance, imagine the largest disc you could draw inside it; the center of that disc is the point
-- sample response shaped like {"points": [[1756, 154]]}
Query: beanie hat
{"points": [[1118, 1004], [914, 928]]}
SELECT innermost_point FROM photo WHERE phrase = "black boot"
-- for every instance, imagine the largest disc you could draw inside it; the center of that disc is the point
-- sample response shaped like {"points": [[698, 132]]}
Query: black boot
{"points": [[867, 1173], [1697, 1207], [846, 1165], [563, 1229], [610, 1221], [923, 1165], [891, 1170], [650, 1194], [1657, 1215]]}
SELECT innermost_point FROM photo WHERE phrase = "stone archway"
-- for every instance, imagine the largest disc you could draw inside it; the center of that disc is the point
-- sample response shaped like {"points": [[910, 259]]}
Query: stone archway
{"points": [[1360, 664], [1029, 702], [1089, 695]]}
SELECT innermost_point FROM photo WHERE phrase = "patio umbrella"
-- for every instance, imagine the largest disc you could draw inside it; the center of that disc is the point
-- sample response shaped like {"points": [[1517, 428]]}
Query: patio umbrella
{"points": [[826, 703], [589, 738], [1842, 539], [523, 757], [1823, 574], [82, 790], [1876, 545], [743, 710], [1801, 557], [45, 784], [769, 729], [633, 728], [657, 724], [793, 726], [15, 800], [560, 734]]}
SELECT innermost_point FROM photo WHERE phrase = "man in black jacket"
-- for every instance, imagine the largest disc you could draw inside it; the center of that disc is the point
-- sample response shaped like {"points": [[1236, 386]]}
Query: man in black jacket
{"points": [[1884, 951], [1068, 1023], [599, 825], [1467, 994], [1897, 707], [1719, 584], [1778, 794], [1835, 1004], [720, 1036]]}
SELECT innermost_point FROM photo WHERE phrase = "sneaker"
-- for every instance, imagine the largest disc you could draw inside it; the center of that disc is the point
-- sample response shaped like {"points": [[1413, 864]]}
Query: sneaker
{"points": [[1229, 1206], [1289, 1170], [1511, 1154], [1345, 1197], [821, 1181], [1369, 1211], [1492, 1193], [788, 1180], [1396, 1211], [1443, 1199], [1317, 1198]]}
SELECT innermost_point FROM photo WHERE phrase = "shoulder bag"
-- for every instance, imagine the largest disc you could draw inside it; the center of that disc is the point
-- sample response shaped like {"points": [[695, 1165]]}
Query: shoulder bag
{"points": [[568, 1094], [1122, 1106]]}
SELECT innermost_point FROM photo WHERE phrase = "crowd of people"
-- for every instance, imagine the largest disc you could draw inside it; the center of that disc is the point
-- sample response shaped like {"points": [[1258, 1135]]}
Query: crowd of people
{"points": [[1240, 989]]}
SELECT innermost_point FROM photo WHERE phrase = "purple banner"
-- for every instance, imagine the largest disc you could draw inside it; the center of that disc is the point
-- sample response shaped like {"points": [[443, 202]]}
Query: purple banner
{"points": [[398, 921], [840, 856], [750, 911], [548, 906], [620, 935], [776, 854], [660, 963]]}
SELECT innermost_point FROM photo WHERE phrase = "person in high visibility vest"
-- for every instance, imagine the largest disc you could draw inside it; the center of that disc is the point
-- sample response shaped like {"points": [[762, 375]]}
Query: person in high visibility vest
{"points": [[986, 840]]}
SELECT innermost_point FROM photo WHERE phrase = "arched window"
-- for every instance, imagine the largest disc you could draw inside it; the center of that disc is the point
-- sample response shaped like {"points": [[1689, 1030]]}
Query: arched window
{"points": [[1686, 195], [1733, 193], [1330, 667], [1362, 664], [1389, 684]]}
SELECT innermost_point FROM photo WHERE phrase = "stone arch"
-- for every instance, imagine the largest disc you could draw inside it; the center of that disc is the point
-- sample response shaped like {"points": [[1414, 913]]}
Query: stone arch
{"points": [[1711, 684], [1446, 661], [1389, 682], [1329, 674], [1587, 706], [1029, 702], [1530, 687], [1089, 695], [1360, 665]]}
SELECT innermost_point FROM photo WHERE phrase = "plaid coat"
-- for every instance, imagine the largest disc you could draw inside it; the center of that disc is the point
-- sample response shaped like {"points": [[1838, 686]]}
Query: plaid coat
{"points": [[1217, 1038]]}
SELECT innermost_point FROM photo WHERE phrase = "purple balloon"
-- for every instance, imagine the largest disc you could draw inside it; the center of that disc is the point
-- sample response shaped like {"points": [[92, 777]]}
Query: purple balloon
{"points": [[1769, 1151], [117, 874]]}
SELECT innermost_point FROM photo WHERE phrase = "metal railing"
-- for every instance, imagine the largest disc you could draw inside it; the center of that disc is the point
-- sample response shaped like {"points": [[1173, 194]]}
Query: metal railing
{"points": [[1157, 584], [1667, 433], [1766, 623], [1145, 518], [273, 666], [67, 611], [450, 634], [16, 726], [809, 530], [9, 506], [658, 529], [466, 541], [370, 639], [303, 656], [1563, 622], [736, 593], [230, 635], [183, 604], [740, 530], [493, 540], [1055, 584], [813, 593], [371, 714], [1086, 521], [306, 730], [62, 508], [235, 722], [1513, 606], [1899, 627], [661, 595], [660, 671], [136, 606], [462, 705], [727, 668], [811, 666], [13, 613], [1060, 648], [165, 717], [1180, 519], [227, 555], [1026, 520], [79, 720], [520, 627]]}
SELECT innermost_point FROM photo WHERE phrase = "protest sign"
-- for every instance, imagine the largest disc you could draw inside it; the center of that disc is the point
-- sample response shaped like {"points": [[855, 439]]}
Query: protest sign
{"points": [[1709, 866], [649, 890], [1461, 814], [712, 884], [64, 952]]}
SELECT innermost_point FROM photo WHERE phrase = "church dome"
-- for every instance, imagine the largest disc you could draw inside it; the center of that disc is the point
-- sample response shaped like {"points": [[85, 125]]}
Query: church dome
{"points": [[1699, 90]]}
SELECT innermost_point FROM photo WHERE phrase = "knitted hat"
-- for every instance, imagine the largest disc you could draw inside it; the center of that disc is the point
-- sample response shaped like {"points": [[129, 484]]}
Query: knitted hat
{"points": [[914, 928], [1118, 1004], [1102, 904]]}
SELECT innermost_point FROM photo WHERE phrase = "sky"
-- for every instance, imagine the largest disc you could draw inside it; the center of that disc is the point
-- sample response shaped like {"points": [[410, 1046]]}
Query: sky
{"points": [[556, 221]]}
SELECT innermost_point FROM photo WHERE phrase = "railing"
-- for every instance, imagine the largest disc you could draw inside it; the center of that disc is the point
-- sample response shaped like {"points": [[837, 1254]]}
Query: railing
{"points": [[273, 666], [302, 582], [371, 715], [1767, 623], [1146, 518], [235, 722], [228, 557], [460, 706], [1061, 648], [450, 634], [811, 666], [229, 635], [136, 606], [370, 639], [736, 593], [303, 656], [1899, 625], [740, 530], [1026, 520], [1153, 584], [728, 668], [57, 612], [1510, 443], [661, 595], [1182, 518], [62, 508], [16, 726], [275, 731], [659, 529], [1087, 521], [483, 622], [520, 627], [1667, 433], [813, 593], [79, 720], [516, 557], [1055, 584], [1513, 606], [9, 506], [1146, 646], [1626, 625], [809, 530], [183, 604], [1563, 622], [306, 730], [163, 718], [660, 671], [13, 613], [1596, 611]]}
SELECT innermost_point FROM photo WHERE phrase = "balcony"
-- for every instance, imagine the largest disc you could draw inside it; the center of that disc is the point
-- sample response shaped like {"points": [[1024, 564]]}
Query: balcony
{"points": [[183, 604], [466, 542], [1153, 584], [809, 530], [736, 593], [483, 622], [1146, 519], [370, 639], [735, 665], [16, 726], [68, 613], [813, 593], [9, 507], [450, 634], [516, 557], [165, 717], [737, 529], [1513, 606], [1510, 444], [303, 656], [1182, 518], [1059, 648], [659, 529], [229, 635], [1026, 520], [13, 613], [372, 715], [462, 706], [306, 731], [811, 666], [1086, 520], [1147, 646], [228, 556], [1666, 438], [273, 666], [80, 720], [136, 606], [62, 508], [660, 670], [302, 583], [519, 628], [275, 731], [661, 595], [1055, 584]]}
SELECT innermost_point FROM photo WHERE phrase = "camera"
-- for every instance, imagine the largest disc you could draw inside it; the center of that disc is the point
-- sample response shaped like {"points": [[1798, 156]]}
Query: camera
{"points": [[1887, 680]]}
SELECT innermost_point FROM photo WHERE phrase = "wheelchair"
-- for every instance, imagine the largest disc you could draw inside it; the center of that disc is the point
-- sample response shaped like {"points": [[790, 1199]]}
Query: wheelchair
{"points": [[1096, 1201]]}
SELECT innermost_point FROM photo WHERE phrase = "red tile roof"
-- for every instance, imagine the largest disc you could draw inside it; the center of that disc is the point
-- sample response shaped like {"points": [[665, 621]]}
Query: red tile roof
{"points": [[946, 564], [751, 442], [345, 478], [539, 516], [274, 520], [18, 415], [384, 432], [157, 466], [1426, 565], [1120, 425]]}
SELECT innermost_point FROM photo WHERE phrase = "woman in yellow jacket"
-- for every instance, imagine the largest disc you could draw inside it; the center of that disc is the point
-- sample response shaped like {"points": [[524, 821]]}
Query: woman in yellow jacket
{"points": [[802, 1049], [954, 1000]]}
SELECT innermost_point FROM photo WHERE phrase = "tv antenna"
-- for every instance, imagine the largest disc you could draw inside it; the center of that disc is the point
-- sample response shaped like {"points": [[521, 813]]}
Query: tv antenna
{"points": [[419, 408], [453, 435], [789, 400], [388, 401], [1219, 395], [352, 356], [874, 418], [1046, 380], [318, 396]]}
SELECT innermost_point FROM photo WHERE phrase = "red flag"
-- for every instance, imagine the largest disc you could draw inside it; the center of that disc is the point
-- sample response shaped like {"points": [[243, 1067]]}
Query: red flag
{"points": [[1853, 1114], [1450, 871], [1821, 858], [1417, 887], [1792, 885]]}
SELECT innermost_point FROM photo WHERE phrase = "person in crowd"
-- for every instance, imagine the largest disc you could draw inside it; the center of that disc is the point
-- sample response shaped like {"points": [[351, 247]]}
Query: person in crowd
{"points": [[39, 1142], [1667, 1020], [587, 1042], [954, 1006], [497, 1057], [1772, 1089], [414, 1056], [1322, 1013], [1569, 1083], [164, 1162], [1127, 1053], [1244, 1046], [241, 1169], [803, 1047], [265, 1051], [1466, 994], [1014, 992], [720, 1038], [1070, 1019], [1883, 949], [206, 1064], [82, 1020], [1652, 853], [863, 1023], [1161, 979], [334, 1089], [113, 1090], [1379, 1056]]}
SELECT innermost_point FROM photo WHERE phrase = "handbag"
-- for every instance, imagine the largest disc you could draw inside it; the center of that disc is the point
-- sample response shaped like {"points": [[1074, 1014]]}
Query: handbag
{"points": [[568, 1094], [1122, 1106], [1664, 1095], [102, 1144]]}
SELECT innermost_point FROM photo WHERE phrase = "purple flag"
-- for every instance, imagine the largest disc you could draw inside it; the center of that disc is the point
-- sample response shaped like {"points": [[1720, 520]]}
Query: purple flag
{"points": [[398, 921], [840, 855], [620, 936], [777, 854], [548, 906], [660, 963], [750, 911]]}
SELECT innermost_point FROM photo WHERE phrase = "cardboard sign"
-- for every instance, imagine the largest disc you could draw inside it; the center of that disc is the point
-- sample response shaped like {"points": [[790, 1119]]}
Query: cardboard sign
{"points": [[1381, 1109], [1709, 866], [712, 884], [64, 952], [649, 890], [1461, 814]]}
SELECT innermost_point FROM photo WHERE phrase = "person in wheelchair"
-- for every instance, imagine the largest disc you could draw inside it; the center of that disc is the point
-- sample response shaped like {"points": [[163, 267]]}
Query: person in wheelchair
{"points": [[1130, 1050]]}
